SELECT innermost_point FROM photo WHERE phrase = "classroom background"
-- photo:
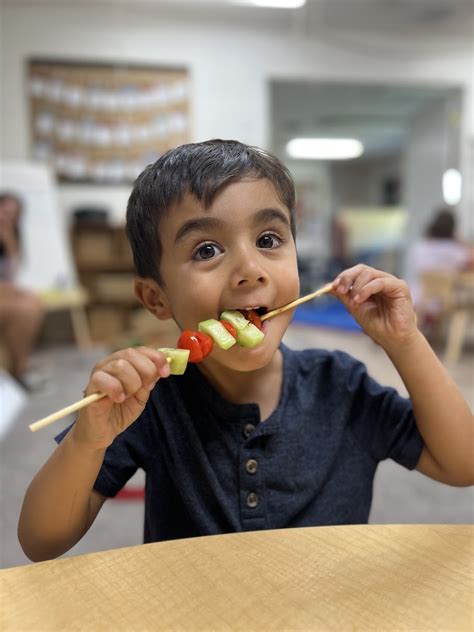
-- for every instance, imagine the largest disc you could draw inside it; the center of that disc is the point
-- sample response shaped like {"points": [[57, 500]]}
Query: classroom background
{"points": [[93, 91]]}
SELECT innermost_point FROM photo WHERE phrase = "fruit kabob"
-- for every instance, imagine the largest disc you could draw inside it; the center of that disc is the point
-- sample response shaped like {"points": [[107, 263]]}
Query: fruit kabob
{"points": [[242, 327]]}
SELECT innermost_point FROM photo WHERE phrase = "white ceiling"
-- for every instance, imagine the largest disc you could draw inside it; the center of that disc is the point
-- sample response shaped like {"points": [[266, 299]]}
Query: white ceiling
{"points": [[403, 18]]}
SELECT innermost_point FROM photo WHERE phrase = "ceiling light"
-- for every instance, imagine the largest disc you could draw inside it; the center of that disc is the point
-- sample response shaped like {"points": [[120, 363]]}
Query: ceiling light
{"points": [[452, 187], [325, 148], [273, 4]]}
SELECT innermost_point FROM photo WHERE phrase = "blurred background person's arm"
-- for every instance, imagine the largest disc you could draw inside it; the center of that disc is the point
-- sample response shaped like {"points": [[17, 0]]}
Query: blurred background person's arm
{"points": [[21, 311], [10, 211]]}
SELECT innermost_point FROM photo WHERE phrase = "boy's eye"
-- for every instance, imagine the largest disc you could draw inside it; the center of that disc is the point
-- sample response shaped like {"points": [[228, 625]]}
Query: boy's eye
{"points": [[206, 251], [269, 240]]}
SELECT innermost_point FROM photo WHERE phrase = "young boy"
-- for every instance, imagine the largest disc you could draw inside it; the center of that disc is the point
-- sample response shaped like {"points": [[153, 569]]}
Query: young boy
{"points": [[248, 439]]}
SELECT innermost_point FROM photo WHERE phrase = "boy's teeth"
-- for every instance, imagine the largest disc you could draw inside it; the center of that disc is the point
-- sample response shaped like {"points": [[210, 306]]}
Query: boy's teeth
{"points": [[246, 309]]}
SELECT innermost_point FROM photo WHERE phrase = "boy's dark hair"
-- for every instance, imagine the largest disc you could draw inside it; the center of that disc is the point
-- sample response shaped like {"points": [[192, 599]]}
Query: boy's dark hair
{"points": [[203, 170], [443, 225]]}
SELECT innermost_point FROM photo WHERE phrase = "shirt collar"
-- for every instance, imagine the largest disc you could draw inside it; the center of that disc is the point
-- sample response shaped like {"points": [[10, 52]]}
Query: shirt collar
{"points": [[207, 397]]}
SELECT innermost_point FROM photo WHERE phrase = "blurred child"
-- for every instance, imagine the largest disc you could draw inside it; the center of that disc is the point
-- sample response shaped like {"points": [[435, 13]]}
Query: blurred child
{"points": [[21, 312], [439, 250]]}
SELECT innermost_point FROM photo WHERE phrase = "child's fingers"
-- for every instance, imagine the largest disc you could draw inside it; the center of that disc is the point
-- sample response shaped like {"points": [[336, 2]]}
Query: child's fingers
{"points": [[366, 276], [158, 358], [106, 383], [133, 353], [378, 285], [133, 374], [147, 369], [352, 279], [127, 375]]}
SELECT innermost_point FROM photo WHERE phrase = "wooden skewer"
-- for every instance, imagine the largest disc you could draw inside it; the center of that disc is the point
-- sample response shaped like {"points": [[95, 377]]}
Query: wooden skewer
{"points": [[82, 403], [41, 423], [298, 301]]}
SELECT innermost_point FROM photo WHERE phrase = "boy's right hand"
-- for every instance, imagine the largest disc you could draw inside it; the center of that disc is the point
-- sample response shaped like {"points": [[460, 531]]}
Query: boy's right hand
{"points": [[127, 377]]}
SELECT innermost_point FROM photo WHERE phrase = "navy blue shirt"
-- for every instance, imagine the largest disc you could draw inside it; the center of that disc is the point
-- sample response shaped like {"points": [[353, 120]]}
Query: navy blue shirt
{"points": [[212, 467]]}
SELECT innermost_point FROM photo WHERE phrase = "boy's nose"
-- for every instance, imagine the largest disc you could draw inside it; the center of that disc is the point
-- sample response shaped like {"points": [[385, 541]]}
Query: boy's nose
{"points": [[251, 280], [249, 272]]}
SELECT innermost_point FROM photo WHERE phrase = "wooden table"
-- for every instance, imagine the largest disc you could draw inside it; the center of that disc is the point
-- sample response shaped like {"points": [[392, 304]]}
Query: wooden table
{"points": [[412, 577]]}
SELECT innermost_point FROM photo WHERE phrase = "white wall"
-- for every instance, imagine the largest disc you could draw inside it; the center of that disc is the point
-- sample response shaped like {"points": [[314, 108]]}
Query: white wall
{"points": [[230, 68], [313, 207], [432, 148], [360, 183]]}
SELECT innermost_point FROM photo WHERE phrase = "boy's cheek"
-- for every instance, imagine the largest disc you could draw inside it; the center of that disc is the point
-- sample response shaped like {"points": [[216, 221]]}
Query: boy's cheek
{"points": [[293, 285], [193, 310]]}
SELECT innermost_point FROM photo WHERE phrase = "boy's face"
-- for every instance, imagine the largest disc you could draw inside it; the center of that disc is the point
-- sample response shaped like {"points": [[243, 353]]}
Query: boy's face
{"points": [[239, 253]]}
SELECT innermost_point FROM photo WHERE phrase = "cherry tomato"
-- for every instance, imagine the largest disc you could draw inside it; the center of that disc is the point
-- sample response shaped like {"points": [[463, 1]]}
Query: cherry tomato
{"points": [[253, 317], [189, 340], [230, 328], [206, 343]]}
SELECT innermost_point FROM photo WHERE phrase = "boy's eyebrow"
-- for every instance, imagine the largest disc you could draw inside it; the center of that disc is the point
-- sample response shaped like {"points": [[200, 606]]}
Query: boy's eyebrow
{"points": [[270, 214], [209, 223], [195, 225]]}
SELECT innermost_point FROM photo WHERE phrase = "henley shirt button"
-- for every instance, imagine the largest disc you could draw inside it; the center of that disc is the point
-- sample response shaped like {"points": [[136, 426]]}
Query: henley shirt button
{"points": [[251, 466], [248, 429], [252, 500]]}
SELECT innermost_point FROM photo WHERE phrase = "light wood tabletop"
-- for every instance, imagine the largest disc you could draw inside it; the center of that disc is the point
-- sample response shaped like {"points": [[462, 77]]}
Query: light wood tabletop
{"points": [[383, 578]]}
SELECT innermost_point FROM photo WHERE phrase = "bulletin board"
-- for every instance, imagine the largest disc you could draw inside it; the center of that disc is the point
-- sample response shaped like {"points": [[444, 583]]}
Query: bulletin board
{"points": [[104, 123]]}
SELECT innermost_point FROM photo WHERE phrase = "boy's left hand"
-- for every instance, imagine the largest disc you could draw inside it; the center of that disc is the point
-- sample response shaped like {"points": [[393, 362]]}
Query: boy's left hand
{"points": [[379, 302]]}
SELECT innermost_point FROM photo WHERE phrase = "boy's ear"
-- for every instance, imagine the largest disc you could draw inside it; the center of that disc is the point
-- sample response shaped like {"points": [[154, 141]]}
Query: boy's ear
{"points": [[152, 296]]}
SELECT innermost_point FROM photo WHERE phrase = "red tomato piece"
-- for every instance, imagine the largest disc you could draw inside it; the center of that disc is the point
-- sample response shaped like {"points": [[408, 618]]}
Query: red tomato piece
{"points": [[206, 342], [230, 328], [252, 316], [189, 340]]}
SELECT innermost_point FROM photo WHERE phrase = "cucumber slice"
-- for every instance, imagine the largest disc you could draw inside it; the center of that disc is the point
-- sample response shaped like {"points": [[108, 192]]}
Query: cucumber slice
{"points": [[218, 333], [235, 318], [250, 336], [178, 359]]}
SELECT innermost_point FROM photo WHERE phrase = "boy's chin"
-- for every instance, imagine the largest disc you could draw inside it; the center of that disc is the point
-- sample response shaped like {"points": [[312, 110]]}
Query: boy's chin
{"points": [[245, 360]]}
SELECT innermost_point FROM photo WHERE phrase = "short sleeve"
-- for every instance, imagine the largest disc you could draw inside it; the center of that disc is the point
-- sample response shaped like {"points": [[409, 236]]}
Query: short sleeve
{"points": [[122, 458], [381, 420]]}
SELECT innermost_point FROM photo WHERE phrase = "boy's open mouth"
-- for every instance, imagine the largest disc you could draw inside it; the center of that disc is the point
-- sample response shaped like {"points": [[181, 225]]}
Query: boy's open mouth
{"points": [[245, 311], [251, 313], [260, 311]]}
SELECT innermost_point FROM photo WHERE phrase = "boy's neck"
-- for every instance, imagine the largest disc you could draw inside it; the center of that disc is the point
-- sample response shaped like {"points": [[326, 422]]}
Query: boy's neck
{"points": [[262, 387]]}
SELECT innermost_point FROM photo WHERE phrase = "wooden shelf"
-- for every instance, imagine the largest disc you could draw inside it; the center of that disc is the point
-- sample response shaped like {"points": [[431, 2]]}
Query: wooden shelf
{"points": [[91, 267], [105, 268], [117, 302]]}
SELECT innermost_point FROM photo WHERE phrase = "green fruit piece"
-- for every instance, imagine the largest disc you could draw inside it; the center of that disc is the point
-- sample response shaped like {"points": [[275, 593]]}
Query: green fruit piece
{"points": [[250, 336], [178, 359], [235, 318], [218, 333]]}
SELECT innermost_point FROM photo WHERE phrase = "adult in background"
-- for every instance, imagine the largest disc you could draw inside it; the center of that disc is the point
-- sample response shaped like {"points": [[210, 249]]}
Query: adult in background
{"points": [[21, 311]]}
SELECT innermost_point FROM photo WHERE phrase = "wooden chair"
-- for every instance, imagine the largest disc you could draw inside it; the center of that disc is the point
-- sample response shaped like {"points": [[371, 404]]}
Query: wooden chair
{"points": [[461, 311], [447, 299], [73, 300]]}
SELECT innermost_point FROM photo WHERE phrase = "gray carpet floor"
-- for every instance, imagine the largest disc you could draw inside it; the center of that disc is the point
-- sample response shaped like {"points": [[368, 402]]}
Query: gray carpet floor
{"points": [[400, 496]]}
